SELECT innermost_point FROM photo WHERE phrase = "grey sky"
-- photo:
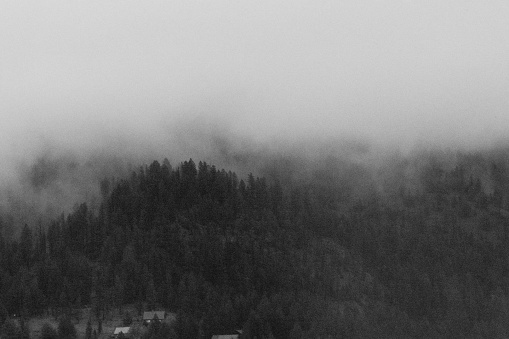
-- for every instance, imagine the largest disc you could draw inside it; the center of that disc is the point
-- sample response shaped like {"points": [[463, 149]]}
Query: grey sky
{"points": [[86, 72]]}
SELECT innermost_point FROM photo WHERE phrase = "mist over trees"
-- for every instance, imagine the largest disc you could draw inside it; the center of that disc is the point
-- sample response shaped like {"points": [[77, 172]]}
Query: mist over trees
{"points": [[326, 246]]}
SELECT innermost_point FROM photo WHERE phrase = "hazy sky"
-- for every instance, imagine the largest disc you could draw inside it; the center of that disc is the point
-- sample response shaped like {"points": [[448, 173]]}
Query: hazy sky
{"points": [[86, 72]]}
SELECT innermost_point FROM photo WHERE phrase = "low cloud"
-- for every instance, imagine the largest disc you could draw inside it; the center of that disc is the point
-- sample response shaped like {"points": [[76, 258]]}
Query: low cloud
{"points": [[88, 89]]}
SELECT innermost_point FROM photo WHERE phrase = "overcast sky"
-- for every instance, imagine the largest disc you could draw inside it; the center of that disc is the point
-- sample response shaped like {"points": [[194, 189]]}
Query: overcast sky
{"points": [[87, 72]]}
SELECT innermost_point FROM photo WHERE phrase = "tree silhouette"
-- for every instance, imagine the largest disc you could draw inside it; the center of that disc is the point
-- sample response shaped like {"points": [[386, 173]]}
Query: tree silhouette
{"points": [[66, 329]]}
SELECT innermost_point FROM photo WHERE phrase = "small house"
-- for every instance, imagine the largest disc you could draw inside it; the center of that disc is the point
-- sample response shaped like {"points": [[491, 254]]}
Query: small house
{"points": [[118, 330], [149, 316], [228, 336]]}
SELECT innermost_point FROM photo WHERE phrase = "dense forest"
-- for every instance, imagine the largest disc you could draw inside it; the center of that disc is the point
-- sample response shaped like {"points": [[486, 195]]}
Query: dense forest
{"points": [[418, 247]]}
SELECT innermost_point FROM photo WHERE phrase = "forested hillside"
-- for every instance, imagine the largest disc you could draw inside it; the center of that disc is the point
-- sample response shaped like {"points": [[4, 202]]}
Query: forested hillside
{"points": [[418, 247]]}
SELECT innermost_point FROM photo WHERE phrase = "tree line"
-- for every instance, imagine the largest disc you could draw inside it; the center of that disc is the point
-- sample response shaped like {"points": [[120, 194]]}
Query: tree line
{"points": [[275, 257]]}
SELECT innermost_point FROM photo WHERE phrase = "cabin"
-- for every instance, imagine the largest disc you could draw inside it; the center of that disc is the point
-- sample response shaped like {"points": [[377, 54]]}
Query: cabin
{"points": [[149, 316], [118, 330], [228, 336]]}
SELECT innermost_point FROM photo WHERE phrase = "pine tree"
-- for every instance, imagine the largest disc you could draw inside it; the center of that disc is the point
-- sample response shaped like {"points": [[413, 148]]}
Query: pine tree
{"points": [[296, 332], [3, 313], [128, 319], [26, 245], [48, 332], [88, 333], [23, 328], [10, 330], [66, 329], [151, 294], [119, 293]]}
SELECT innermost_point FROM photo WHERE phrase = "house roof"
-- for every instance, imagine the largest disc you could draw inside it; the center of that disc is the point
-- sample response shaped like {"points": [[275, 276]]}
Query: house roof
{"points": [[124, 330], [225, 336], [150, 315]]}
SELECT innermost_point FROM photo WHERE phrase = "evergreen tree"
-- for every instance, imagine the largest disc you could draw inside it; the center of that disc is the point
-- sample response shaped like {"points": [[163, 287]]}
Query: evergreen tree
{"points": [[128, 319], [10, 330], [88, 332], [296, 332], [66, 329], [48, 332], [24, 331], [119, 293], [3, 313], [26, 246], [151, 295]]}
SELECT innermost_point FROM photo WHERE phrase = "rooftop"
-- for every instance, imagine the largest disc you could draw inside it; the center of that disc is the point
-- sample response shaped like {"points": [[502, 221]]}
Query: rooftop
{"points": [[150, 315], [124, 330]]}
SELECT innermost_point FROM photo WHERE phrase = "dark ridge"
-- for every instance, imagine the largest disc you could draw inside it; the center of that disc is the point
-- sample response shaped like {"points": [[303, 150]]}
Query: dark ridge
{"points": [[335, 245]]}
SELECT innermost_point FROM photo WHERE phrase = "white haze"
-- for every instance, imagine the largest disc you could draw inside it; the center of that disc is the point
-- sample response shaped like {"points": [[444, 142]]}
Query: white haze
{"points": [[152, 78]]}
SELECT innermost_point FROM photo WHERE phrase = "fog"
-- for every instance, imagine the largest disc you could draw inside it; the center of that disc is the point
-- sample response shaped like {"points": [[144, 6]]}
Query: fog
{"points": [[130, 81]]}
